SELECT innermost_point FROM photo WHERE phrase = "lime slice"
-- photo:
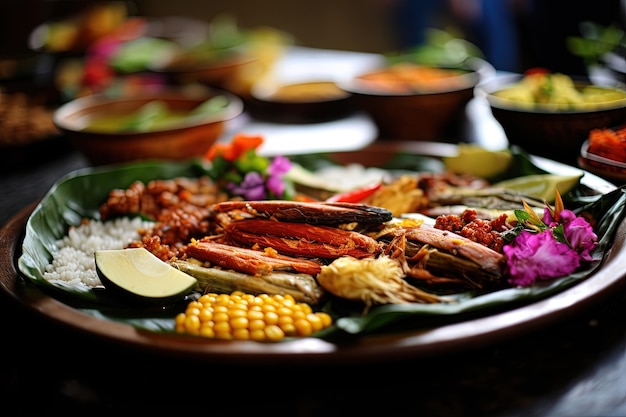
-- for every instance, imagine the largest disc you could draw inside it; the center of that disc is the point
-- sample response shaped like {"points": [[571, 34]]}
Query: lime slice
{"points": [[478, 161], [541, 186]]}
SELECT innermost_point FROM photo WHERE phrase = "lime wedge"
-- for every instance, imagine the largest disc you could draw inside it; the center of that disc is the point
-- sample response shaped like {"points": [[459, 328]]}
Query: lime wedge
{"points": [[137, 272], [478, 161], [541, 186]]}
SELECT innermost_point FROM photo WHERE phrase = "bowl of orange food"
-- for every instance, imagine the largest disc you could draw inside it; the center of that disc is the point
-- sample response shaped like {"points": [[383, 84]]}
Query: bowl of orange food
{"points": [[410, 101], [171, 125], [604, 153]]}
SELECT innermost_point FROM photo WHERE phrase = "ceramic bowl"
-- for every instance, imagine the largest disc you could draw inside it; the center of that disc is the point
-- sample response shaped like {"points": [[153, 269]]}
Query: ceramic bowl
{"points": [[188, 137], [604, 153], [414, 102], [218, 72], [551, 131], [610, 169], [307, 101]]}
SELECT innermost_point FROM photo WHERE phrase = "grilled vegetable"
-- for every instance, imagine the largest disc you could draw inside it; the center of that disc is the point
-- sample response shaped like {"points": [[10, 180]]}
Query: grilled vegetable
{"points": [[302, 287]]}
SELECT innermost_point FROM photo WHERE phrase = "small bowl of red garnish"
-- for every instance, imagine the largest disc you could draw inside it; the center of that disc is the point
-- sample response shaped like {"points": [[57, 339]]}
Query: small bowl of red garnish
{"points": [[604, 153]]}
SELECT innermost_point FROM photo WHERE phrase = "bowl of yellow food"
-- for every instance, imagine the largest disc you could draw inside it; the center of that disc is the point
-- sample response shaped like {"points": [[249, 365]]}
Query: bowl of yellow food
{"points": [[169, 125], [411, 101], [551, 114], [304, 101]]}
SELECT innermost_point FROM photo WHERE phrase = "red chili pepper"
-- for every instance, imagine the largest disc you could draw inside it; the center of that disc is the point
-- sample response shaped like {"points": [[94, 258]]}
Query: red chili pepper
{"points": [[537, 70], [355, 196]]}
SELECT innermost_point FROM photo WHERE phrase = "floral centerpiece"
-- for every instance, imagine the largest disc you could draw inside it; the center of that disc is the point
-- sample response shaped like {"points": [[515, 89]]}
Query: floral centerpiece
{"points": [[241, 172]]}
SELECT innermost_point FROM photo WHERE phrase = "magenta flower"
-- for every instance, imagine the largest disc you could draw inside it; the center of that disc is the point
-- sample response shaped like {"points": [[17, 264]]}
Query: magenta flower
{"points": [[538, 256], [251, 188], [579, 234], [280, 165], [550, 247], [275, 185]]}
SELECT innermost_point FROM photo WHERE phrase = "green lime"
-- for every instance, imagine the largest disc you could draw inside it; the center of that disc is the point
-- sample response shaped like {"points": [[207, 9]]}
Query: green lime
{"points": [[478, 161], [541, 186]]}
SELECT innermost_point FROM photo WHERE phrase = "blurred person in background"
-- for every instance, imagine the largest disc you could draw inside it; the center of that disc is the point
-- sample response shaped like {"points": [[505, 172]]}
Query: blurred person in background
{"points": [[489, 24], [545, 26], [514, 35]]}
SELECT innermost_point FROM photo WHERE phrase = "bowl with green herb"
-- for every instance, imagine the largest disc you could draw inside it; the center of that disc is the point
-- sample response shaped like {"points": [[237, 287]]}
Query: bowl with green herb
{"points": [[169, 125]]}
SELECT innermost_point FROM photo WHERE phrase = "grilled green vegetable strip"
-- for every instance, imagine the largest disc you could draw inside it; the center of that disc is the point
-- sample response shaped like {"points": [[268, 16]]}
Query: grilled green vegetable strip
{"points": [[302, 287]]}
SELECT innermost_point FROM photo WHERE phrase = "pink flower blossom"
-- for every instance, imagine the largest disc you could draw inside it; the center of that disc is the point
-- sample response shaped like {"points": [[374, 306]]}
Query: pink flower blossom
{"points": [[280, 165], [275, 185], [538, 256], [579, 234]]}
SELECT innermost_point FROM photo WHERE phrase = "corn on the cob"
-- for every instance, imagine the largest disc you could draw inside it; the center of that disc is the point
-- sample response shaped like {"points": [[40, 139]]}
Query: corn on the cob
{"points": [[242, 316]]}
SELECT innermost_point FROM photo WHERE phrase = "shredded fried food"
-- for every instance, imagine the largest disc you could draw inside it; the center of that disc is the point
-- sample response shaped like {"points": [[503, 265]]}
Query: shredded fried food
{"points": [[372, 280], [403, 195]]}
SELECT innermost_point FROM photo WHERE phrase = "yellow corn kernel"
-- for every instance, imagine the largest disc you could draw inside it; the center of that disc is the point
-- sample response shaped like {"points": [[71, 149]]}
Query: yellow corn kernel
{"points": [[284, 311], [207, 332], [303, 307], [257, 334], [303, 327], [273, 332], [192, 311], [288, 328], [241, 334], [255, 315], [179, 320], [221, 327], [271, 317], [239, 323], [192, 324], [316, 322], [221, 317], [257, 324], [206, 314], [326, 319]]}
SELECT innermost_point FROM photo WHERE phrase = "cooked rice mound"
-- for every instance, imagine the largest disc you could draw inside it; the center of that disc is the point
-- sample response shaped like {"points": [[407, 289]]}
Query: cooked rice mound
{"points": [[73, 262]]}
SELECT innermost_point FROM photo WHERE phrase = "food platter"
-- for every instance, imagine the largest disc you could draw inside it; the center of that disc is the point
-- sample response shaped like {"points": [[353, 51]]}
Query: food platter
{"points": [[435, 340]]}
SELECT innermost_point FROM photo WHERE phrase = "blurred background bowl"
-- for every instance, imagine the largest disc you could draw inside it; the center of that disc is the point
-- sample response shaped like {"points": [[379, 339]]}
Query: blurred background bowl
{"points": [[548, 130], [604, 153], [308, 101], [610, 169], [188, 137], [218, 72], [430, 106]]}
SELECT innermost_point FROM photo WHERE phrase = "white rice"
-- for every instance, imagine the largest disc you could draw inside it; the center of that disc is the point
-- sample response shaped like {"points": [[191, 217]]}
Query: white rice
{"points": [[73, 260]]}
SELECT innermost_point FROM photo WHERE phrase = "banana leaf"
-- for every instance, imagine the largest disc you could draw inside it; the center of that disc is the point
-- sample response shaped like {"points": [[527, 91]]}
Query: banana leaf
{"points": [[73, 198], [79, 194]]}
